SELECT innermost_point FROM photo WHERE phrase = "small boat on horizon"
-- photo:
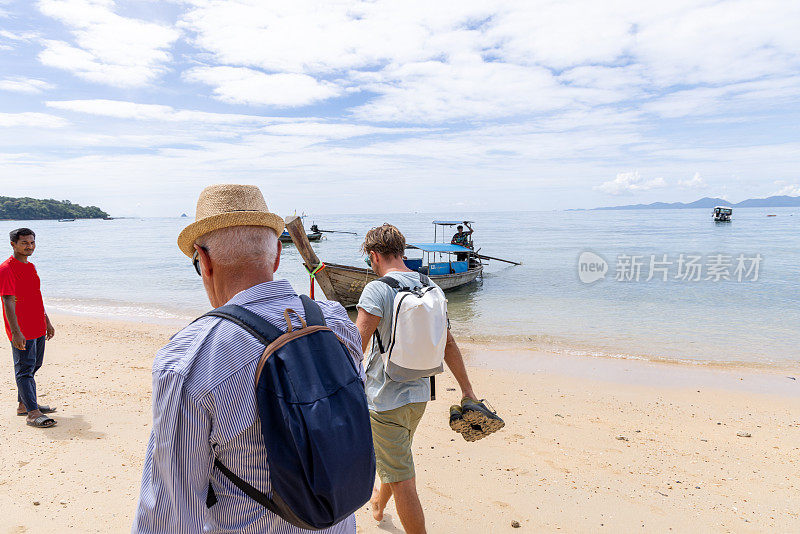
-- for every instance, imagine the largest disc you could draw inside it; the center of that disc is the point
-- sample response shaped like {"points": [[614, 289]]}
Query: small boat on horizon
{"points": [[66, 220], [722, 214]]}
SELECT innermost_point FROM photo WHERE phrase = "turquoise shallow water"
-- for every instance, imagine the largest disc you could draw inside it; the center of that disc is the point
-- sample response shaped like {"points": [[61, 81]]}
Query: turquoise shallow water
{"points": [[132, 269]]}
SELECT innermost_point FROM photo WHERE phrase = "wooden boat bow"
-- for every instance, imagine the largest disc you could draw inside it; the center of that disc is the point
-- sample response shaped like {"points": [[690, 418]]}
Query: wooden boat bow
{"points": [[294, 225]]}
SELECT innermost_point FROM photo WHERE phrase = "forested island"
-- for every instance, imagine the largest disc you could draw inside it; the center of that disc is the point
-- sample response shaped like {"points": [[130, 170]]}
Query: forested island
{"points": [[27, 208]]}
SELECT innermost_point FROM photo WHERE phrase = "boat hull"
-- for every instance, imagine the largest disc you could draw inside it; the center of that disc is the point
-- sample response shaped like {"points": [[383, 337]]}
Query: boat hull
{"points": [[285, 238], [349, 282]]}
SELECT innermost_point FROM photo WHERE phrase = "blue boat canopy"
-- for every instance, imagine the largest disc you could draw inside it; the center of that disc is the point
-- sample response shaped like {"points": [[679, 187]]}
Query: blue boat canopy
{"points": [[438, 247], [451, 223]]}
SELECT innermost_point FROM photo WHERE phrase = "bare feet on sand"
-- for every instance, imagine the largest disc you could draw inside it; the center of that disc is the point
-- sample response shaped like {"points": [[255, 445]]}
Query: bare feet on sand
{"points": [[375, 506]]}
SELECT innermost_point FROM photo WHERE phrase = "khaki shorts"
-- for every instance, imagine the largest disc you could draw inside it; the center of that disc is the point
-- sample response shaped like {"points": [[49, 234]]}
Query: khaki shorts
{"points": [[392, 434]]}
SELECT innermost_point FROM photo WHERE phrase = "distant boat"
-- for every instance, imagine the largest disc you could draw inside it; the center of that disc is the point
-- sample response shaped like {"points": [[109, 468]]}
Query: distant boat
{"points": [[722, 214], [66, 220], [314, 236]]}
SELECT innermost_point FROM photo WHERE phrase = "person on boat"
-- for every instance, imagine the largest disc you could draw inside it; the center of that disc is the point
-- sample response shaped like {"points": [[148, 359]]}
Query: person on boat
{"points": [[27, 324], [204, 404], [396, 408], [463, 239]]}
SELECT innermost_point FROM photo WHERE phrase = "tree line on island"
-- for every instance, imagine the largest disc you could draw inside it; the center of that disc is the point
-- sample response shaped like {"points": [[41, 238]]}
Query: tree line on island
{"points": [[27, 208]]}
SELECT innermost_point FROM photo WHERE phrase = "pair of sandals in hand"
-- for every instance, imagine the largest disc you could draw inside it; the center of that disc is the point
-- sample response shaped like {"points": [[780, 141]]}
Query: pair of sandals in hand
{"points": [[473, 420]]}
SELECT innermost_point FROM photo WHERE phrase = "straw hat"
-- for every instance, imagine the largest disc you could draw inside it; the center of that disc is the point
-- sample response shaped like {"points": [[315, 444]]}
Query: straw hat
{"points": [[225, 205]]}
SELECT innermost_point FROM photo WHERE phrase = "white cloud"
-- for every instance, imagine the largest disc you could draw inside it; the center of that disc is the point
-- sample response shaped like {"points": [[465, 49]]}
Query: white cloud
{"points": [[791, 190], [729, 100], [540, 98], [24, 85], [18, 36], [334, 130], [109, 49], [434, 91], [302, 37], [153, 112], [630, 182], [31, 120], [14, 38], [471, 60], [238, 85], [687, 42], [696, 182]]}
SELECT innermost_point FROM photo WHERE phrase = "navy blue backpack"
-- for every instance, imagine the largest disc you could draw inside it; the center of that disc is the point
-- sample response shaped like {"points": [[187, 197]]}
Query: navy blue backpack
{"points": [[314, 420]]}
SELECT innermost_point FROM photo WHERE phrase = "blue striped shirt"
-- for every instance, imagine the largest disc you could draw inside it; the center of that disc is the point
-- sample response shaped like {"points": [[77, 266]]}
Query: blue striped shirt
{"points": [[204, 407]]}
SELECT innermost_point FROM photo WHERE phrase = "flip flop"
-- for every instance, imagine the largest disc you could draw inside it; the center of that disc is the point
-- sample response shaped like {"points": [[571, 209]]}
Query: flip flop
{"points": [[42, 422], [43, 409]]}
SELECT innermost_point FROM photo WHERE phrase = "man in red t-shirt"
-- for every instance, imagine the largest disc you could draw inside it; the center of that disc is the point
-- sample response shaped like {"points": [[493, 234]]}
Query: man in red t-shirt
{"points": [[27, 324]]}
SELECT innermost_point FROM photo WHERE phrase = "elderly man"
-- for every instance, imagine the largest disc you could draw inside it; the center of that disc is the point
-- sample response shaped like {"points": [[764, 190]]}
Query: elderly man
{"points": [[204, 405]]}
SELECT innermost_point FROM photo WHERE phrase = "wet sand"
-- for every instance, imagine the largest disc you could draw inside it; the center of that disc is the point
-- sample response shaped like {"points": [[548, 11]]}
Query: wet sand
{"points": [[589, 445]]}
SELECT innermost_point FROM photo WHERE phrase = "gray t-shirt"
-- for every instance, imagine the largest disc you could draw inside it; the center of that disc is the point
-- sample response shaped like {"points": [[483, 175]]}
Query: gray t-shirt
{"points": [[383, 393]]}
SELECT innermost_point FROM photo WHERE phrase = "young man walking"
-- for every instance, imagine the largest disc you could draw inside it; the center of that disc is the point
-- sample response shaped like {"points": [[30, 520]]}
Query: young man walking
{"points": [[27, 324], [397, 407]]}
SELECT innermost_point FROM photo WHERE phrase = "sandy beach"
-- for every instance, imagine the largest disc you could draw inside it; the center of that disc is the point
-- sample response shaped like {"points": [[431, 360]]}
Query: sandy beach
{"points": [[589, 446]]}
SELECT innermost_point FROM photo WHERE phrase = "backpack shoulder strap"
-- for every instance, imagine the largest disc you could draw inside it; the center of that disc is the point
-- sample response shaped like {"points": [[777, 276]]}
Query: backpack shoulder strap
{"points": [[259, 327], [426, 282], [314, 316], [389, 281]]}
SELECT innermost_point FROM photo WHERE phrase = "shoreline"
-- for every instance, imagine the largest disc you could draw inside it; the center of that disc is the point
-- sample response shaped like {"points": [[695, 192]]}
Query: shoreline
{"points": [[579, 453], [521, 345]]}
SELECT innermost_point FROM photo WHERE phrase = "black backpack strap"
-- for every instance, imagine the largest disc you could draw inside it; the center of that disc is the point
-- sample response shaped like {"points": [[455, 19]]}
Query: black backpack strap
{"points": [[394, 284], [266, 333], [259, 327], [314, 315], [390, 281], [378, 339], [250, 491]]}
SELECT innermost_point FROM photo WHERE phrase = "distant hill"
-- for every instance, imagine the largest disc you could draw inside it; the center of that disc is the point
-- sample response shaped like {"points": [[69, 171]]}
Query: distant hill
{"points": [[707, 202], [27, 208], [770, 202]]}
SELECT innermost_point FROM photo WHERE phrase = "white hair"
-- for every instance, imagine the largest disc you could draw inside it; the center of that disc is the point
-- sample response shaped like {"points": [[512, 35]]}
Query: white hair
{"points": [[242, 246]]}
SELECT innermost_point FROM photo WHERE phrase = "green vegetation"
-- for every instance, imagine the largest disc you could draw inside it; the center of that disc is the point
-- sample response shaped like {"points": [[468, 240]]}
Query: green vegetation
{"points": [[27, 208]]}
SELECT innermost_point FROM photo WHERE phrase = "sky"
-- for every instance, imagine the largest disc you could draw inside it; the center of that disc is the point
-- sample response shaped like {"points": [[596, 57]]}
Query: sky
{"points": [[385, 106]]}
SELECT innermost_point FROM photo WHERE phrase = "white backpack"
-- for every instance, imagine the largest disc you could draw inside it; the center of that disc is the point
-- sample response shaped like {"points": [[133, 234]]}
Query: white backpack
{"points": [[419, 331]]}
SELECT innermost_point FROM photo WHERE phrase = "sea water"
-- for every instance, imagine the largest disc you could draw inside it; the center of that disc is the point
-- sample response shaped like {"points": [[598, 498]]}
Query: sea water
{"points": [[744, 308]]}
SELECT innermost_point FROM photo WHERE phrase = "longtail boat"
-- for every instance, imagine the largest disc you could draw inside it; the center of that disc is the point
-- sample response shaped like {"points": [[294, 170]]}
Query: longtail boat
{"points": [[313, 236], [344, 283]]}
